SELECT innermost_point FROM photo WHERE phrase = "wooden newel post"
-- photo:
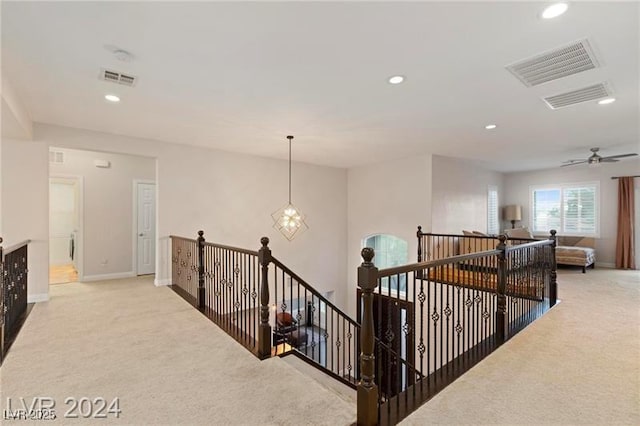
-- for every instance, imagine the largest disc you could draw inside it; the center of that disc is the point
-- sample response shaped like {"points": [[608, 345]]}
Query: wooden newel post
{"points": [[367, 389], [501, 312], [553, 283], [201, 293], [264, 329]]}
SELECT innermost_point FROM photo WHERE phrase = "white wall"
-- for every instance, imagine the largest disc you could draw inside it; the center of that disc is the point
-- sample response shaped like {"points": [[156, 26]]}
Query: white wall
{"points": [[25, 207], [108, 206], [393, 197], [15, 118], [229, 196], [517, 192], [460, 195]]}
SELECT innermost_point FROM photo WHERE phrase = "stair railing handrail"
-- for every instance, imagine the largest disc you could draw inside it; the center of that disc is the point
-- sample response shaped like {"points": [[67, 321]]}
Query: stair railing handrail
{"points": [[534, 252], [336, 309], [413, 267], [492, 237], [313, 291], [221, 246]]}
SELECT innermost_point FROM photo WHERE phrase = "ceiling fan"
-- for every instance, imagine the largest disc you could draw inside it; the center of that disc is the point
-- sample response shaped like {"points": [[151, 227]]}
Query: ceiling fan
{"points": [[596, 159]]}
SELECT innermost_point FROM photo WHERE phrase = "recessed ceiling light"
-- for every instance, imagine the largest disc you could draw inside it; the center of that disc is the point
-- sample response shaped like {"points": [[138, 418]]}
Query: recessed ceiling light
{"points": [[396, 79], [112, 98], [606, 101], [555, 10], [490, 126]]}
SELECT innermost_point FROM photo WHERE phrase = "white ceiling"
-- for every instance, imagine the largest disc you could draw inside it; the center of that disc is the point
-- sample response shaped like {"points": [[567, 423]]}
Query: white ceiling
{"points": [[241, 76]]}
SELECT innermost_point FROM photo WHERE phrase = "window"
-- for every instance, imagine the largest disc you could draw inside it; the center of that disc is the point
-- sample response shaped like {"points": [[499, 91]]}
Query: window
{"points": [[493, 221], [570, 209], [390, 251]]}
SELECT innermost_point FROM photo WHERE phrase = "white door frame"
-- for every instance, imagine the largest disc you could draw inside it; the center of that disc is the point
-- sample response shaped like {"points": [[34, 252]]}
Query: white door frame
{"points": [[79, 247], [134, 224]]}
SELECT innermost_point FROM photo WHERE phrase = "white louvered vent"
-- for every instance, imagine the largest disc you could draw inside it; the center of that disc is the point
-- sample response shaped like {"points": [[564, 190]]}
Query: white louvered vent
{"points": [[56, 157], [555, 64], [117, 77], [591, 93]]}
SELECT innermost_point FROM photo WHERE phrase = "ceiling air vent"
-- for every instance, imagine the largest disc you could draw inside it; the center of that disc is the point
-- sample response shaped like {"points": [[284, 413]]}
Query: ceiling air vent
{"points": [[554, 64], [591, 93], [117, 77], [56, 157]]}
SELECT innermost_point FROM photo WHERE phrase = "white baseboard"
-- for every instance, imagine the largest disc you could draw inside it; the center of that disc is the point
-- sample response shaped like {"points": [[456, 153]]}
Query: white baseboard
{"points": [[605, 265], [37, 298], [161, 282], [104, 277]]}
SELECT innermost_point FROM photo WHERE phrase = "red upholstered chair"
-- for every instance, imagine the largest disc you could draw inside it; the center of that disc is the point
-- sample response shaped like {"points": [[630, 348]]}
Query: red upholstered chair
{"points": [[287, 330]]}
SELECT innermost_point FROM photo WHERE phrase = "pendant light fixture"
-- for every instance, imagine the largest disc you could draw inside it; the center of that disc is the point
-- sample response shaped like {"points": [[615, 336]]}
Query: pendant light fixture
{"points": [[288, 219]]}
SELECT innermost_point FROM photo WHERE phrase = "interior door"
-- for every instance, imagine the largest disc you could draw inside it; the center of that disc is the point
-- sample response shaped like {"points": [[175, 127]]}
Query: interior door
{"points": [[146, 230]]}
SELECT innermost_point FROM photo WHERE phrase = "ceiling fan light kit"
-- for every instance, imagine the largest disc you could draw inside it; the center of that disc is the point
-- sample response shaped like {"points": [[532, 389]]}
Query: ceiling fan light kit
{"points": [[595, 159]]}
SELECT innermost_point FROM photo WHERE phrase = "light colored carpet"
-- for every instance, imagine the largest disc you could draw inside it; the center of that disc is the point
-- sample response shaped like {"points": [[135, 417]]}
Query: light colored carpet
{"points": [[578, 364], [166, 362]]}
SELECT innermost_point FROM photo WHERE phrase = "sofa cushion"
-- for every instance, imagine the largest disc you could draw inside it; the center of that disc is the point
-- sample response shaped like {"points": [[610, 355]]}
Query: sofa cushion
{"points": [[580, 256], [518, 233]]}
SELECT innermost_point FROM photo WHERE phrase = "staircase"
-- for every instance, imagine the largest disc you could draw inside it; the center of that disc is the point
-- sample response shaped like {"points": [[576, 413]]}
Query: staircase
{"points": [[423, 325]]}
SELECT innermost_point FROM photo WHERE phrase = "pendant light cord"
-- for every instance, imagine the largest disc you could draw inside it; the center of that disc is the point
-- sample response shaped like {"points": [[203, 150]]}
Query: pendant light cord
{"points": [[290, 138]]}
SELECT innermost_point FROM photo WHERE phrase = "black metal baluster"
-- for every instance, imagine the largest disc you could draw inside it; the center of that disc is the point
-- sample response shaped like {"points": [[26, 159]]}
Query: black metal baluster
{"points": [[333, 337]]}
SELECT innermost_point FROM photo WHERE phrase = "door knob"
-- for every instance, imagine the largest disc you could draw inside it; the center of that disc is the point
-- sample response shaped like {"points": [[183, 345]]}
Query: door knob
{"points": [[141, 235]]}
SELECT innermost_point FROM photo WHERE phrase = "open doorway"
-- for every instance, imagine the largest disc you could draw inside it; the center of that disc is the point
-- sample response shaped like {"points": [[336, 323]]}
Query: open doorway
{"points": [[65, 201], [100, 204]]}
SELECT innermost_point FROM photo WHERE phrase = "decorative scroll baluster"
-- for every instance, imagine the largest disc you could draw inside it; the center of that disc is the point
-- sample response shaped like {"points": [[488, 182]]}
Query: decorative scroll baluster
{"points": [[13, 292], [501, 309], [201, 291], [264, 329], [419, 234], [553, 284], [367, 389]]}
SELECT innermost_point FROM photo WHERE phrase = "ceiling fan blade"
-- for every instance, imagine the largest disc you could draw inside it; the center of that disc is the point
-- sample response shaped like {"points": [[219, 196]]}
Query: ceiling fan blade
{"points": [[609, 160], [574, 163], [619, 156]]}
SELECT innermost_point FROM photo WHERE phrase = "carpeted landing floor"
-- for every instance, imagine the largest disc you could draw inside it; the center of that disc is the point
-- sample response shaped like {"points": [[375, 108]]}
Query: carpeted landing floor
{"points": [[579, 364], [165, 362]]}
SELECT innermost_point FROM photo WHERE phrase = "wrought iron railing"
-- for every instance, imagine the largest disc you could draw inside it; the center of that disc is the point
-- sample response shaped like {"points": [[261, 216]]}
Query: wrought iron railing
{"points": [[443, 316], [422, 325], [433, 246], [307, 322], [13, 293], [265, 306], [222, 281]]}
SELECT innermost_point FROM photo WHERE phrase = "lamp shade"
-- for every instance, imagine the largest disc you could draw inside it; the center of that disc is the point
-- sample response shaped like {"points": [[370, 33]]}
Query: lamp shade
{"points": [[513, 212]]}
